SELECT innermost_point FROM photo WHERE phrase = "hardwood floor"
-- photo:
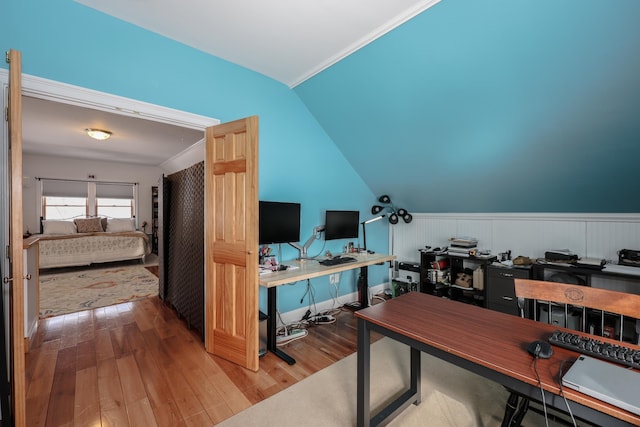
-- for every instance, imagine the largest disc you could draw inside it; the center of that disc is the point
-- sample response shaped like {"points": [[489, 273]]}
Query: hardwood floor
{"points": [[136, 364]]}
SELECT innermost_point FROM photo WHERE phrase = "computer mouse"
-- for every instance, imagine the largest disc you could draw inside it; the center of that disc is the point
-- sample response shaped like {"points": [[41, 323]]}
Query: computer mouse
{"points": [[540, 349]]}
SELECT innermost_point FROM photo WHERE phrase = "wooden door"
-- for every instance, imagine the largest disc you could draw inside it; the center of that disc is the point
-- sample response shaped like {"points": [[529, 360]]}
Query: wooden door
{"points": [[16, 294], [231, 241]]}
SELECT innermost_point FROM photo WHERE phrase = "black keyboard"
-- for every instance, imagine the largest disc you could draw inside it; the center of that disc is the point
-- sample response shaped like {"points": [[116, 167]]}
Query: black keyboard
{"points": [[337, 260], [617, 353]]}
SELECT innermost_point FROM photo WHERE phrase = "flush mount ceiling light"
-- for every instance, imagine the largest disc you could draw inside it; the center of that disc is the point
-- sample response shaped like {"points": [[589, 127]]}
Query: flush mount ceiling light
{"points": [[98, 134]]}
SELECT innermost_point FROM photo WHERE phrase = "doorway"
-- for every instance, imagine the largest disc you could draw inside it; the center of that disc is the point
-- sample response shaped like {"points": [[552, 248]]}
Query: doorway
{"points": [[65, 94]]}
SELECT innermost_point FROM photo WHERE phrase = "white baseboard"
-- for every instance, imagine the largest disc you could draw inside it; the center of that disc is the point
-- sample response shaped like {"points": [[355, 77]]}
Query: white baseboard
{"points": [[297, 314], [28, 339]]}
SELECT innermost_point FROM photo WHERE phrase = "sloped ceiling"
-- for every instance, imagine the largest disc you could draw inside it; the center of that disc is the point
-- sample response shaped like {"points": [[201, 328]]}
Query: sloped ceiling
{"points": [[492, 106], [286, 40]]}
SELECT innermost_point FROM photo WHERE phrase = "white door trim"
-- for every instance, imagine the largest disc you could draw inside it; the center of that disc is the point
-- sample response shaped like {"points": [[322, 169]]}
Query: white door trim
{"points": [[51, 90]]}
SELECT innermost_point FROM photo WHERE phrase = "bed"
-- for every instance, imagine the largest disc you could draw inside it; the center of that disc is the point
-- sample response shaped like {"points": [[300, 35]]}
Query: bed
{"points": [[86, 241]]}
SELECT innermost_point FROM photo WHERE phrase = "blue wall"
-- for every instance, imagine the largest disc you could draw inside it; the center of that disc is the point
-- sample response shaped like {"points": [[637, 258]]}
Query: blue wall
{"points": [[70, 43], [494, 106]]}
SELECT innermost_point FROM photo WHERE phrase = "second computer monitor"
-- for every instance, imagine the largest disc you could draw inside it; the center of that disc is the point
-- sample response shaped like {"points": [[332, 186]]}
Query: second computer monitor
{"points": [[341, 224]]}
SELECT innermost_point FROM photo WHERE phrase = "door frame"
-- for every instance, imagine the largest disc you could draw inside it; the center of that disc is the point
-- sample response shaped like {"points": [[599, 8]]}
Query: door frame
{"points": [[64, 93]]}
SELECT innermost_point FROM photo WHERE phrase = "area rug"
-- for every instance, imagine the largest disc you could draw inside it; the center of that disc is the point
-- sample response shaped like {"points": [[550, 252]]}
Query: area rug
{"points": [[451, 396], [69, 292]]}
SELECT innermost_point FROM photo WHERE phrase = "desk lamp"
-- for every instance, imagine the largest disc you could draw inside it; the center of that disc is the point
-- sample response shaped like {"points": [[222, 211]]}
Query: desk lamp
{"points": [[364, 229]]}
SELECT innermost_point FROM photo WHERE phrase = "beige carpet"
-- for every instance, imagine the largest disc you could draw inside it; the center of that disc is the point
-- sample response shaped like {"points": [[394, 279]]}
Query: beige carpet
{"points": [[451, 396], [72, 291]]}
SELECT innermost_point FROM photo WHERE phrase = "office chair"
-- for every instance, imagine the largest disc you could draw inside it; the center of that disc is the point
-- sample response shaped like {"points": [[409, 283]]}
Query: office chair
{"points": [[600, 312]]}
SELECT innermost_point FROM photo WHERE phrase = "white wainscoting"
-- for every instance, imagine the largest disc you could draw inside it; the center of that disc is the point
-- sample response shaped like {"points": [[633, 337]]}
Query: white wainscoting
{"points": [[528, 234]]}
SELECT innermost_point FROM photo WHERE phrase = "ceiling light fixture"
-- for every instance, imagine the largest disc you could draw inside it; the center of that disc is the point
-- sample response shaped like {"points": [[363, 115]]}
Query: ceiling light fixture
{"points": [[98, 134]]}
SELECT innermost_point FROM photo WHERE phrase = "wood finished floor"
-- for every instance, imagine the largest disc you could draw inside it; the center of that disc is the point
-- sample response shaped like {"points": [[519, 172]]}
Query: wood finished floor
{"points": [[137, 364]]}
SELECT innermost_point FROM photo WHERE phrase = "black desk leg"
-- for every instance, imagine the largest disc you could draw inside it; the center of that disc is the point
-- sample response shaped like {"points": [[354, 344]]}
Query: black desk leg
{"points": [[411, 396], [415, 376], [363, 374], [363, 285], [271, 327]]}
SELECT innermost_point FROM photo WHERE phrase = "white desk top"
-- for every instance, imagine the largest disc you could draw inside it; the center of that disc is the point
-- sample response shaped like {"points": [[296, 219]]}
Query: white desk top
{"points": [[308, 269]]}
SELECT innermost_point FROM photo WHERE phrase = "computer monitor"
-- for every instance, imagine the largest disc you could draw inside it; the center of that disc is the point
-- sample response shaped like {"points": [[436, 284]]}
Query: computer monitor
{"points": [[279, 222], [341, 225]]}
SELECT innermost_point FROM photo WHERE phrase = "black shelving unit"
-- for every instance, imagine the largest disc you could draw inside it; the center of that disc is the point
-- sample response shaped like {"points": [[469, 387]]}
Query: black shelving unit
{"points": [[154, 220], [453, 264]]}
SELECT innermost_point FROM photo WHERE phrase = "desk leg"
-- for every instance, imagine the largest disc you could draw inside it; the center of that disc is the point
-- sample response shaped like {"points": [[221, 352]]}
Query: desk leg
{"points": [[415, 390], [363, 374], [363, 284], [411, 396], [271, 327]]}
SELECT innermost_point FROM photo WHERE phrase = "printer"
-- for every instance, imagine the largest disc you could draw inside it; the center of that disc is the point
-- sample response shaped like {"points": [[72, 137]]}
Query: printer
{"points": [[560, 255], [629, 257]]}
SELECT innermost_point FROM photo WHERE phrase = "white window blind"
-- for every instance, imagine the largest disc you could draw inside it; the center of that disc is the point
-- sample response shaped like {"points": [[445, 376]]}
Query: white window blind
{"points": [[114, 190], [61, 188]]}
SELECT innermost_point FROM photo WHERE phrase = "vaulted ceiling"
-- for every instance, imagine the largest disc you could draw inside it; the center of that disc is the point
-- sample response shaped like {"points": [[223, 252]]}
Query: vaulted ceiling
{"points": [[286, 40], [466, 106]]}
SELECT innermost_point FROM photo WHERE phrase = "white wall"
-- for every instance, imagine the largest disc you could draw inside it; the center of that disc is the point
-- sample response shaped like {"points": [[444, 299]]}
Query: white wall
{"points": [[528, 234], [185, 159], [588, 235], [35, 166]]}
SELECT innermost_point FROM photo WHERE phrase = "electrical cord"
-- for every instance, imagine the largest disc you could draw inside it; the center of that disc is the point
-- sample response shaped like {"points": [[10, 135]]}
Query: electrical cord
{"points": [[566, 402], [285, 328], [293, 338], [544, 403], [336, 297], [312, 295]]}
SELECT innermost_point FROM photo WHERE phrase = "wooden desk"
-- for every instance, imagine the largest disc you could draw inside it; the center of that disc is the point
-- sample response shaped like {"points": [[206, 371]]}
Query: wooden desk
{"points": [[309, 269], [489, 343]]}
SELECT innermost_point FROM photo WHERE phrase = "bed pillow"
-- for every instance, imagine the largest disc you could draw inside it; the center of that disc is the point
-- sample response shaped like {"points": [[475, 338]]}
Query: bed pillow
{"points": [[115, 225], [88, 225], [58, 226]]}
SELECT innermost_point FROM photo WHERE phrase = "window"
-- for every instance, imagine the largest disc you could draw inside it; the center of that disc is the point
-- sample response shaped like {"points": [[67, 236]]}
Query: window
{"points": [[66, 199], [64, 207], [114, 208], [114, 200]]}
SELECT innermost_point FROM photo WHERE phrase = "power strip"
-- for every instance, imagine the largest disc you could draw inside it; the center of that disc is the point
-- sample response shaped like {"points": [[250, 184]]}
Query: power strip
{"points": [[323, 319], [294, 334]]}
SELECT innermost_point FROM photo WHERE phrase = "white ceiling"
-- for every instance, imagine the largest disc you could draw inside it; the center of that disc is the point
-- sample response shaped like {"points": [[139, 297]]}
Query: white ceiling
{"points": [[52, 128], [287, 40]]}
